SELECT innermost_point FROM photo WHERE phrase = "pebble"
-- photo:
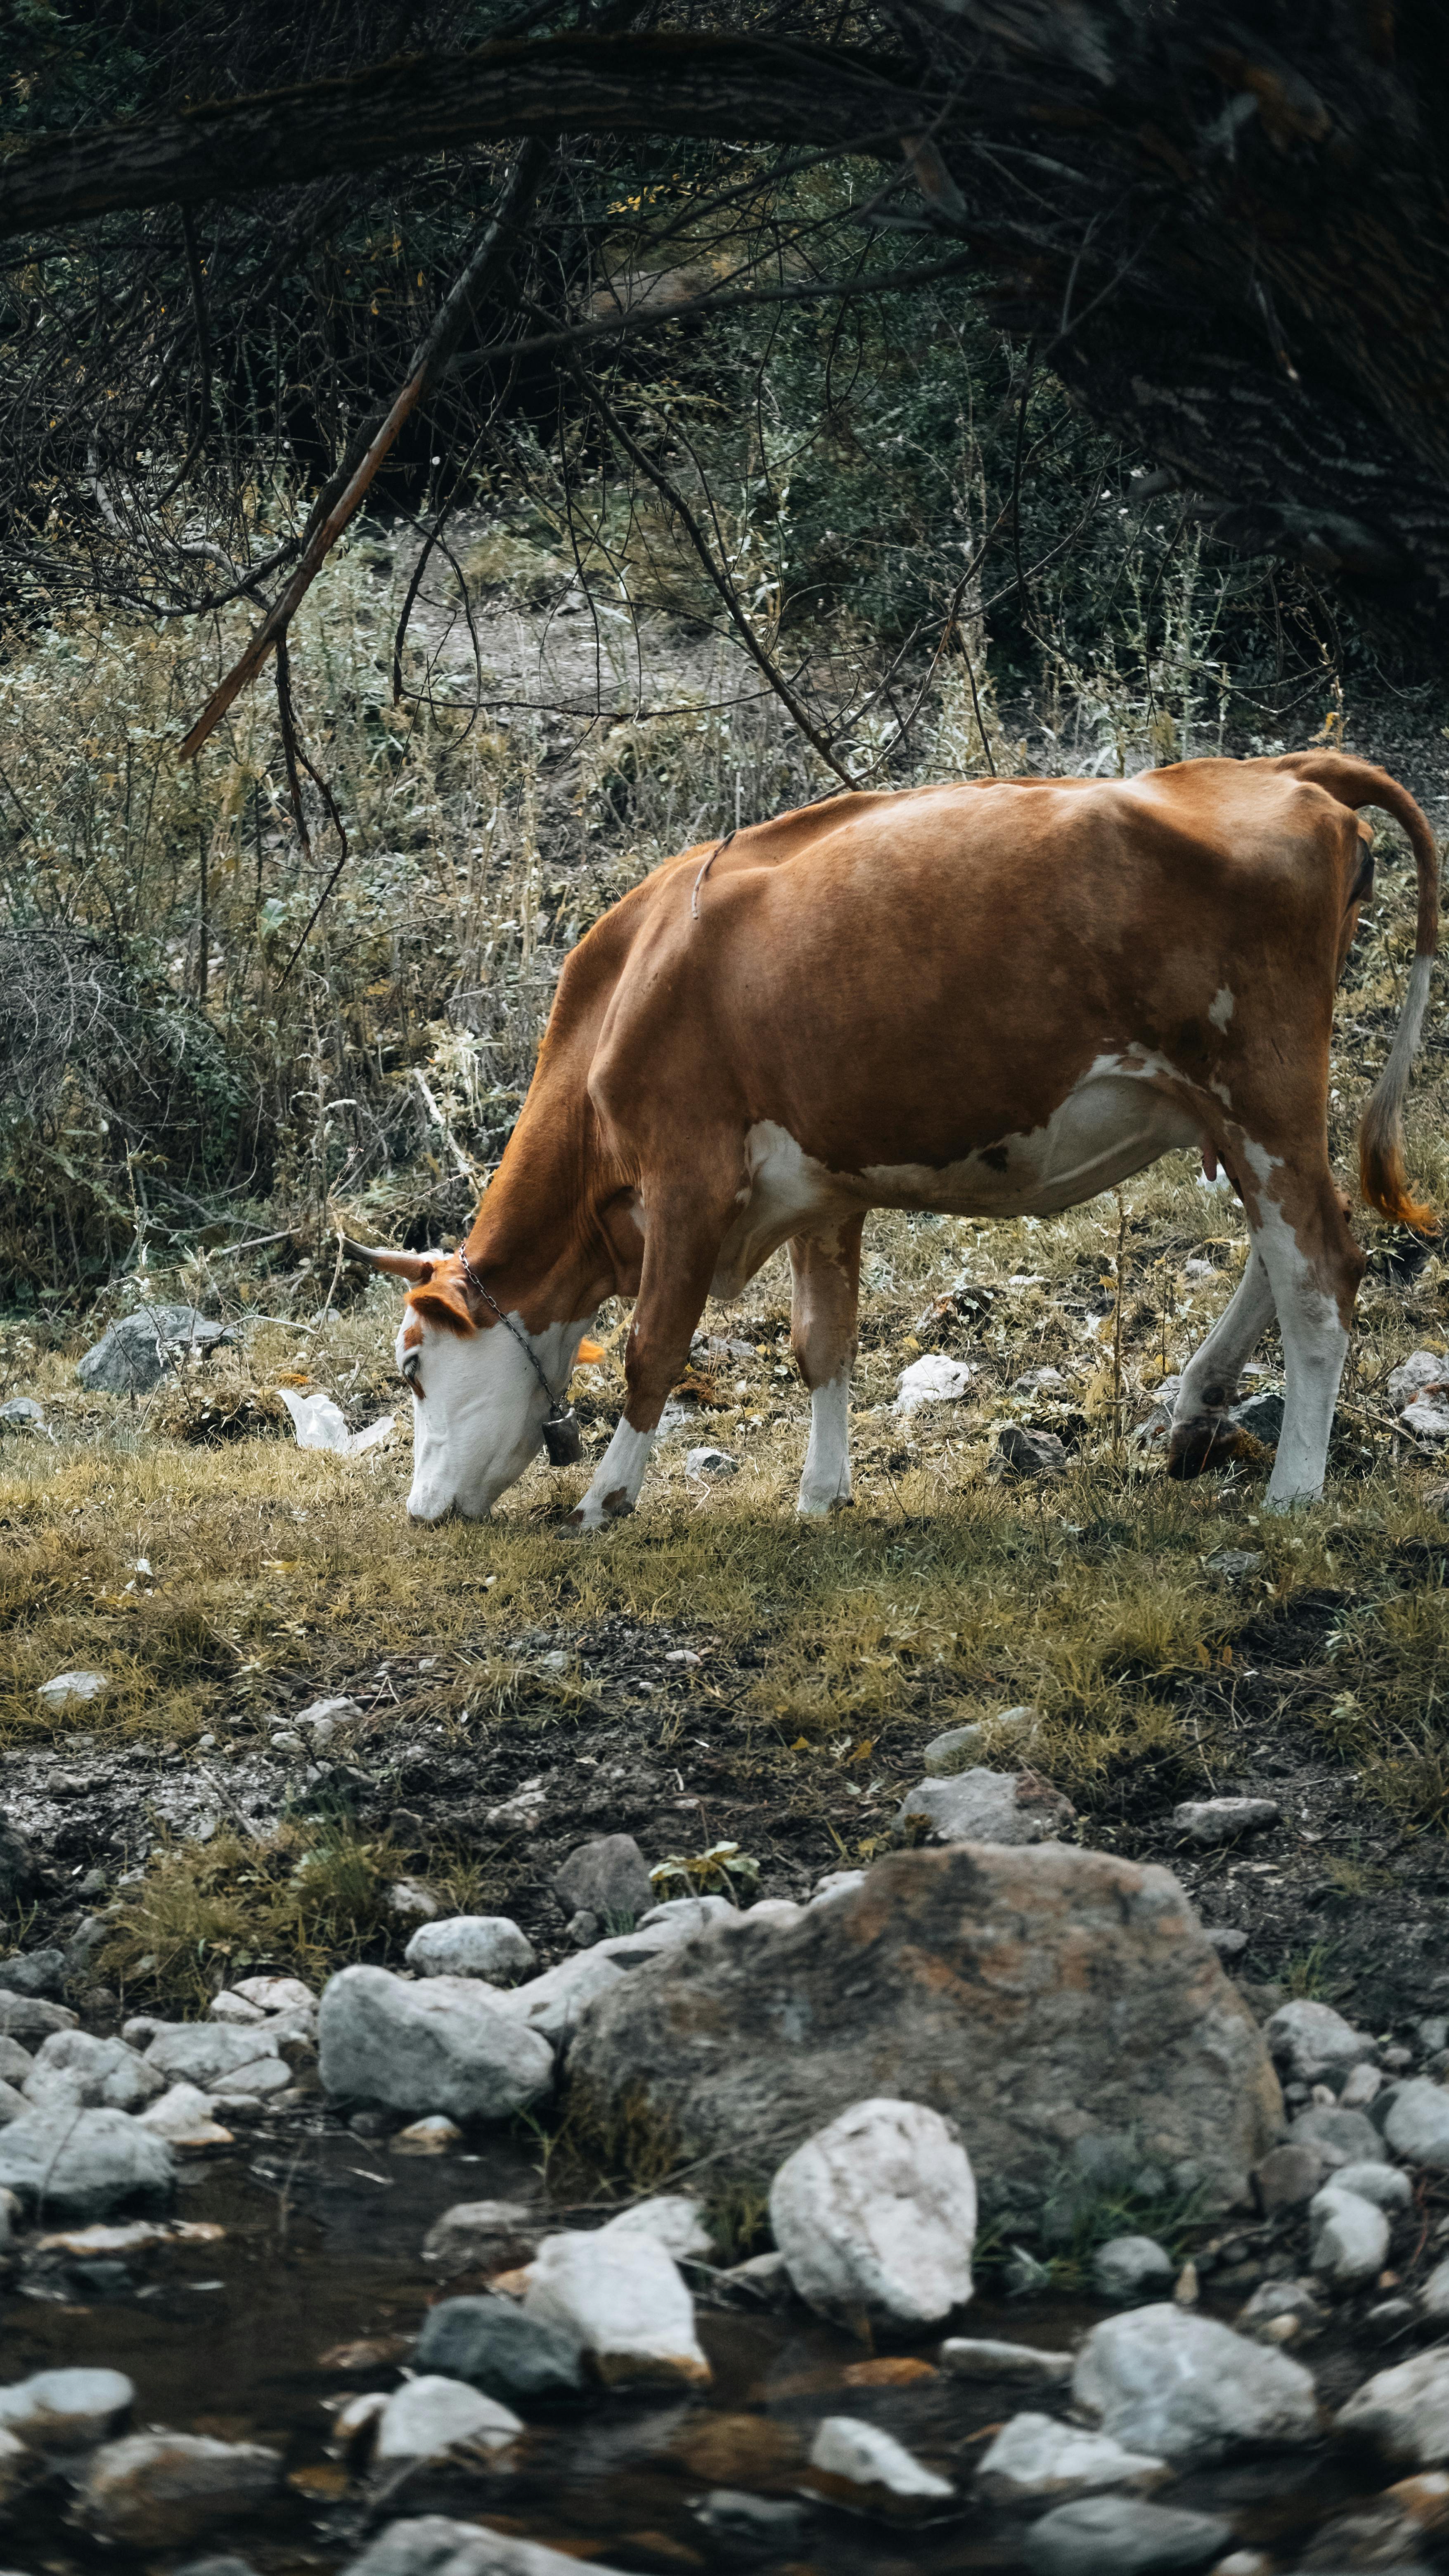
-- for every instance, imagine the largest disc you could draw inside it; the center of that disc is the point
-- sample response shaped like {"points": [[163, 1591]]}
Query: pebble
{"points": [[1383, 2184], [433, 2546], [228, 2007], [1228, 1942], [276, 1994], [1210, 1821], [748, 2528], [1306, 2039], [1116, 2536], [1181, 2387], [1363, 2086], [1275, 2302], [858, 2464], [494, 2346], [608, 1877], [101, 2074], [1020, 1452], [1420, 1373], [442, 2044], [183, 2117], [835, 1884], [1348, 2237], [1131, 2267], [81, 2164], [435, 2136], [414, 1903], [981, 1806], [1286, 2178], [1416, 2123], [35, 1972], [974, 2357], [1015, 1731], [471, 1945], [622, 2299], [431, 2414], [1434, 2292], [1034, 2459], [22, 1413], [153, 2490], [209, 2053], [1342, 2137], [32, 2016], [482, 2235], [876, 2216], [674, 2219], [1404, 2412], [65, 2410]]}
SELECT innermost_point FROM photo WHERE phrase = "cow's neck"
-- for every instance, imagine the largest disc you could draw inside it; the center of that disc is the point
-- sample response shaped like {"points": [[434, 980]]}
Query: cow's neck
{"points": [[535, 1241]]}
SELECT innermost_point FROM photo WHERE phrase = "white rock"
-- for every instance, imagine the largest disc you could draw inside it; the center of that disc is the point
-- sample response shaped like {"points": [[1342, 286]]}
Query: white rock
{"points": [[329, 1713], [443, 2044], [184, 2118], [1404, 2412], [68, 1690], [430, 2546], [207, 2052], [65, 2410], [856, 2460], [934, 1379], [232, 2008], [80, 2164], [876, 2216], [1181, 2387], [1417, 1375], [276, 1994], [983, 1806], [1434, 2293], [836, 1883], [975, 2357], [1118, 2535], [710, 1462], [1034, 2459], [1416, 2123], [471, 1945], [1426, 1420], [103, 2074], [435, 2136], [1364, 2085], [1348, 2237], [354, 2426], [674, 2220], [414, 1903], [154, 2490], [1131, 2267], [1209, 1821], [252, 2082], [621, 2298], [770, 1909], [1384, 2185], [554, 2003], [961, 1748], [682, 1916], [1306, 2039], [430, 2415]]}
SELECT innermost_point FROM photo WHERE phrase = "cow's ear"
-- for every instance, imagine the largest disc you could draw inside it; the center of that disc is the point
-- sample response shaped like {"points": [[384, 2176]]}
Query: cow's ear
{"points": [[444, 1303]]}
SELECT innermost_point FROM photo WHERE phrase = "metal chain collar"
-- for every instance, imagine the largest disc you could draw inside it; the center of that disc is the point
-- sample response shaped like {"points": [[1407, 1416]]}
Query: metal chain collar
{"points": [[555, 1402]]}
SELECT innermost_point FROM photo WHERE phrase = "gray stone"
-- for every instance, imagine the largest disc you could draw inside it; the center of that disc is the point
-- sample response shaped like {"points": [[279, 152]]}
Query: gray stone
{"points": [[441, 2045], [1338, 2137], [103, 2074], [22, 1413], [1348, 2238], [471, 1945], [555, 2003], [1132, 2267], [854, 2462], [15, 2062], [1227, 1940], [1262, 1415], [711, 1462], [680, 1917], [430, 2415], [1036, 2460], [33, 2016], [1287, 2177], [622, 2299], [1015, 1731], [136, 1353], [494, 2346], [483, 2236], [210, 2053], [1020, 1452], [675, 2219], [976, 2357], [1404, 2412], [608, 1877], [34, 1972], [747, 2528], [1383, 2184], [1422, 1373], [1210, 1821], [836, 1882], [982, 1806], [153, 2490], [1307, 2040], [876, 2217], [1116, 2536], [65, 2410], [953, 1977], [1416, 2123], [1181, 2387], [1434, 2293], [83, 2164], [434, 2546], [1274, 2299]]}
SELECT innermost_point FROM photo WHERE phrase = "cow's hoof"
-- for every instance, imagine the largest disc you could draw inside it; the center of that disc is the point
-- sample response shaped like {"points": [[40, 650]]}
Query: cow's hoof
{"points": [[1211, 1441]]}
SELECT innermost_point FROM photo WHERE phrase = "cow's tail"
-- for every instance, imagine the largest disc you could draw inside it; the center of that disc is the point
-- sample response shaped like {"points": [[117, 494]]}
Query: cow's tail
{"points": [[1381, 1130]]}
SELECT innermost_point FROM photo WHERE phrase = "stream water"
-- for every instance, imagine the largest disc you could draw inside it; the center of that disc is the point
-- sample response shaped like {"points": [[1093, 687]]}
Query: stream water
{"points": [[317, 2285]]}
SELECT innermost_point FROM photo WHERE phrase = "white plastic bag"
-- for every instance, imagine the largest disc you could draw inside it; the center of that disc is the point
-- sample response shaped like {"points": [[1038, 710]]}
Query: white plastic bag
{"points": [[319, 1424]]}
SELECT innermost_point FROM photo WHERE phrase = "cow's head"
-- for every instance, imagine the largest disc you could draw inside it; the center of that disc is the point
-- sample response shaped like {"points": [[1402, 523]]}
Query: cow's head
{"points": [[479, 1400]]}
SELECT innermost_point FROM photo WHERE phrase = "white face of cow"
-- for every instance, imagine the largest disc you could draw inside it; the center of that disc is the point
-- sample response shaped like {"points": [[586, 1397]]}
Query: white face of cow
{"points": [[478, 1408]]}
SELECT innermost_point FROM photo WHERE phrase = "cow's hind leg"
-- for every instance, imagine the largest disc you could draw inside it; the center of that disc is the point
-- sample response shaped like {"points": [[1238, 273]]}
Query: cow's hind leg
{"points": [[1210, 1380], [823, 1306], [681, 1248], [1314, 1267]]}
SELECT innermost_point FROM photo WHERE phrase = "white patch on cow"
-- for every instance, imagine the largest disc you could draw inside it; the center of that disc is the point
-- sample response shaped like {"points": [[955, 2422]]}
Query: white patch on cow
{"points": [[617, 1479], [1124, 1112], [1260, 1162], [1315, 1346], [1221, 1092], [478, 1408], [1220, 1011], [826, 1480], [783, 1186]]}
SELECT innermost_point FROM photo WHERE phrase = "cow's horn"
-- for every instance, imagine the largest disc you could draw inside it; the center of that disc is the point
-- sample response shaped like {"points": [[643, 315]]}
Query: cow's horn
{"points": [[416, 1266]]}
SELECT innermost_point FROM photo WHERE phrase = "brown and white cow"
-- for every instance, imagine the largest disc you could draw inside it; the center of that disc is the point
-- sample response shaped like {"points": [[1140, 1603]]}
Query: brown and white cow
{"points": [[992, 999]]}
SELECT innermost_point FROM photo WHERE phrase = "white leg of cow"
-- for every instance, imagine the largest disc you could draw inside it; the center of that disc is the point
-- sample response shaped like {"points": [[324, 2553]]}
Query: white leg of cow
{"points": [[825, 1485], [824, 1297], [617, 1479], [1210, 1380], [1308, 1290]]}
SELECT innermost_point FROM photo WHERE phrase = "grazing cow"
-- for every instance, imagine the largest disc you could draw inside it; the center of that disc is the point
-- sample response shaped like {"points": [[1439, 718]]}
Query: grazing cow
{"points": [[990, 999]]}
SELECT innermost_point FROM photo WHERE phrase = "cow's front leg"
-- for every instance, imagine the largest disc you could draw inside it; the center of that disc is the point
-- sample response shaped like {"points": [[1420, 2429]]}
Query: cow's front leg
{"points": [[823, 1308], [681, 1248], [1210, 1380]]}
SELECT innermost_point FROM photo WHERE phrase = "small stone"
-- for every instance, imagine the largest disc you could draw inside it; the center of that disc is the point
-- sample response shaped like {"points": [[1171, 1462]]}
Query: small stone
{"points": [[1035, 2459], [1434, 2292], [1210, 1821], [748, 2528], [471, 1945], [1131, 2267], [1015, 1731], [493, 2345], [1273, 2301], [857, 2464], [234, 2009], [1388, 2317], [980, 1806], [153, 2490], [1339, 2137], [138, 1350], [770, 1909], [608, 1877], [932, 1379], [1348, 2237], [876, 2216], [101, 2074], [674, 2219], [431, 2415], [1363, 2086], [252, 2083], [329, 1713], [1416, 2123], [1179, 2386], [412, 1902], [82, 2164], [1383, 2184], [1404, 2412], [432, 2137], [1306, 2039], [836, 1883], [483, 2236], [556, 2002], [22, 1413], [32, 2017], [1233, 1564], [18, 1869], [72, 1690], [583, 1929], [1286, 2178], [1116, 2536], [1227, 1940], [354, 2427], [276, 1994], [209, 2053], [711, 1462], [974, 2357], [622, 2299], [35, 1972], [183, 2117], [442, 2044], [1422, 1373], [432, 2546], [65, 2410]]}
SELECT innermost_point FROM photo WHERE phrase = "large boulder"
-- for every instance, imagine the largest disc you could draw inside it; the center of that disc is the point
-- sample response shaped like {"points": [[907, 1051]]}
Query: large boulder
{"points": [[136, 1353], [876, 2217], [1056, 2004]]}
